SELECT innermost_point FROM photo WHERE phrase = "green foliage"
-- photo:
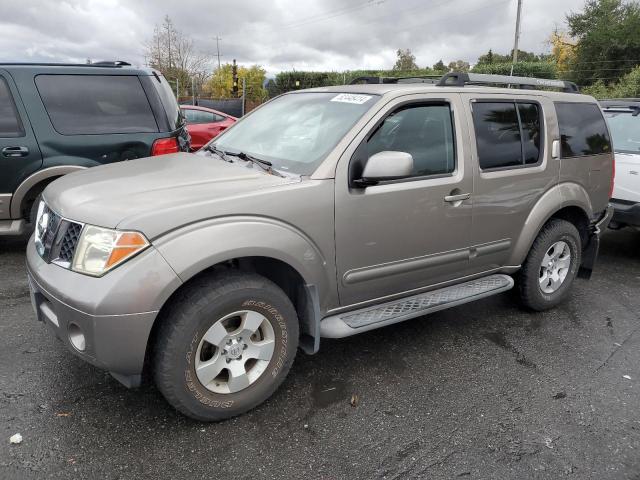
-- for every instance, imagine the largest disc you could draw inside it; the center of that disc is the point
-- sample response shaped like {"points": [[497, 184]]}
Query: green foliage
{"points": [[440, 67], [406, 60], [608, 40], [220, 85], [287, 81], [536, 69], [627, 87], [523, 56]]}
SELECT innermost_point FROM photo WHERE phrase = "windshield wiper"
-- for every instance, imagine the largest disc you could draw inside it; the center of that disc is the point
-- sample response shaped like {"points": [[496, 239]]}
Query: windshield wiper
{"points": [[222, 154], [266, 165]]}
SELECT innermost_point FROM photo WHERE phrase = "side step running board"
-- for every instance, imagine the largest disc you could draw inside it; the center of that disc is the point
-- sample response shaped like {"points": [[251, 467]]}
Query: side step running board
{"points": [[358, 321]]}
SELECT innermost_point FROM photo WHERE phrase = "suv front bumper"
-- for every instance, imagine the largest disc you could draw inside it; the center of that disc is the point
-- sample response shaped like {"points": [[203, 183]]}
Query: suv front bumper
{"points": [[105, 321]]}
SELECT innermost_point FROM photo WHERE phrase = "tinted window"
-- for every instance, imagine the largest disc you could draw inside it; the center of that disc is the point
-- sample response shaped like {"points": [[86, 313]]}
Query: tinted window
{"points": [[169, 102], [625, 130], [425, 131], [10, 125], [531, 132], [582, 129], [96, 104], [507, 134], [497, 134]]}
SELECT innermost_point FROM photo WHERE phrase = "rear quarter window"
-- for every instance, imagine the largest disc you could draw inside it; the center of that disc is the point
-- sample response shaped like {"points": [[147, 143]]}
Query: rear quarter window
{"points": [[96, 104], [583, 130]]}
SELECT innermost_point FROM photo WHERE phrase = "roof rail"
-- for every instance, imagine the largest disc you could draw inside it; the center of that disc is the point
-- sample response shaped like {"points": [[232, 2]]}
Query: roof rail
{"points": [[118, 63], [458, 79], [432, 79], [113, 63]]}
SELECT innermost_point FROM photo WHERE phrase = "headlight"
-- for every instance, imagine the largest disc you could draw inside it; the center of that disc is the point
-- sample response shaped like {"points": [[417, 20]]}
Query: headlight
{"points": [[101, 249]]}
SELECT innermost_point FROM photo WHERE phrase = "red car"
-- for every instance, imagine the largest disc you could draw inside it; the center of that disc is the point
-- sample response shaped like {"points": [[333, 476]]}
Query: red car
{"points": [[204, 124]]}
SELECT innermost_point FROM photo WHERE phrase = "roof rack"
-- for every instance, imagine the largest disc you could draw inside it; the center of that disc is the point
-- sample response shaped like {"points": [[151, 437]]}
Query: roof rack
{"points": [[114, 63], [431, 79], [458, 79], [117, 63]]}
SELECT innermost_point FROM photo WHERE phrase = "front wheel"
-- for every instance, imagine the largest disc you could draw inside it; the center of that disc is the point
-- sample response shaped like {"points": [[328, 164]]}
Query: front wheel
{"points": [[225, 345], [551, 266]]}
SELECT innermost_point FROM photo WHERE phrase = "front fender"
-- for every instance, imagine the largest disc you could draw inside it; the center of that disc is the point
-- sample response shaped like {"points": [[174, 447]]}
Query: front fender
{"points": [[194, 248], [560, 196]]}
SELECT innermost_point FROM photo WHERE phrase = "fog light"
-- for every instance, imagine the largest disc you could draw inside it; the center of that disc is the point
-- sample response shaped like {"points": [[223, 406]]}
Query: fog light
{"points": [[76, 337]]}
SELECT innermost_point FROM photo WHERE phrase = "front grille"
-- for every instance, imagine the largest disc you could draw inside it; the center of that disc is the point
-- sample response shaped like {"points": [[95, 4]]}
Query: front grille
{"points": [[69, 242], [56, 237]]}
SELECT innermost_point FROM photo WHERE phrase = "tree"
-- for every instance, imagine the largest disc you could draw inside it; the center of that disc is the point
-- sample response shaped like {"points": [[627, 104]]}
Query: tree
{"points": [[406, 61], [440, 66], [220, 85], [459, 66], [173, 53], [563, 51], [607, 34], [523, 56]]}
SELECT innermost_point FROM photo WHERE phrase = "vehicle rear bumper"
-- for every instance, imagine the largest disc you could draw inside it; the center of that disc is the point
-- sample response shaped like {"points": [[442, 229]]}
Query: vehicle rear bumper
{"points": [[89, 315], [626, 213]]}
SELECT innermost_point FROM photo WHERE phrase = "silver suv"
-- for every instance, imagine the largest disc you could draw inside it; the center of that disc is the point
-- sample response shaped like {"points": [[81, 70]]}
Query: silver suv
{"points": [[322, 214]]}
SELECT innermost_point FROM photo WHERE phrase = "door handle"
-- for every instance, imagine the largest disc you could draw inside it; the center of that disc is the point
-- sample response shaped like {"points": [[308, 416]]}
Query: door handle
{"points": [[457, 198], [15, 151]]}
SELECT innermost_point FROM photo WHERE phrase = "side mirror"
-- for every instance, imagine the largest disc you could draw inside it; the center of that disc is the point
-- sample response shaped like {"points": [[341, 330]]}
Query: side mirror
{"points": [[385, 165]]}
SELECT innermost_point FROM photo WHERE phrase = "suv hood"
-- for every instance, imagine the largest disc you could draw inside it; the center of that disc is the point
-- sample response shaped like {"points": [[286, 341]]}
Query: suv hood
{"points": [[156, 194]]}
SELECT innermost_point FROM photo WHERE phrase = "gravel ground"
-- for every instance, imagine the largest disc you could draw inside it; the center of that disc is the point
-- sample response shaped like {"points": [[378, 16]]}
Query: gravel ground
{"points": [[479, 391]]}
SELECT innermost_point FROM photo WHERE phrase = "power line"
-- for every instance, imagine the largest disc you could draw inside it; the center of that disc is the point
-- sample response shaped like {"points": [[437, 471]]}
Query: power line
{"points": [[332, 14], [217, 39]]}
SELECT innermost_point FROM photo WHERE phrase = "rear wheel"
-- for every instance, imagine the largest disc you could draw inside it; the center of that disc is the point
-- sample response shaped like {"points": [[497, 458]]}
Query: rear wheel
{"points": [[225, 345], [551, 266]]}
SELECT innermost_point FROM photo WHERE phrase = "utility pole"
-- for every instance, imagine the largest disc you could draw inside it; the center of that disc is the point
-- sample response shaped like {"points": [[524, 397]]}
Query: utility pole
{"points": [[515, 43], [217, 39]]}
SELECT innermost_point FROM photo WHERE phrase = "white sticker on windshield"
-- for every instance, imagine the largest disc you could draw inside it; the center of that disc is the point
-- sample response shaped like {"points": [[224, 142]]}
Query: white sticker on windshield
{"points": [[351, 98]]}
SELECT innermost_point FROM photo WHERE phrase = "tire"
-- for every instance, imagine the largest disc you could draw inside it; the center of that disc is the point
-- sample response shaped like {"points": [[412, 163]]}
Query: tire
{"points": [[195, 317], [538, 292]]}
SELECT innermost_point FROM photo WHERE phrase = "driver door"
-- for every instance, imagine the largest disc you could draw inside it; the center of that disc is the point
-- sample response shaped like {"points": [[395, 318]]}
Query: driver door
{"points": [[399, 236]]}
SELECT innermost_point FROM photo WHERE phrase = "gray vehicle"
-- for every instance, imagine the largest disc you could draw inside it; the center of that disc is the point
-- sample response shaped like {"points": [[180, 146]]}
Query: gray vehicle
{"points": [[207, 271]]}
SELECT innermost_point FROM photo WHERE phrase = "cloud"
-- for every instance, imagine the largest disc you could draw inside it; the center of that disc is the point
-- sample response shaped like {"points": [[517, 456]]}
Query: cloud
{"points": [[280, 35]]}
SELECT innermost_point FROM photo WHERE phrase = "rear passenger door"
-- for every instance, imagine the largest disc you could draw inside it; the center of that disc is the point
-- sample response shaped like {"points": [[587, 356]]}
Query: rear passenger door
{"points": [[19, 152], [511, 170]]}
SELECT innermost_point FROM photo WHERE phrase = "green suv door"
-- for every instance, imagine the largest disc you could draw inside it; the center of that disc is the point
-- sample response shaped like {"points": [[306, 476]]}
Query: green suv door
{"points": [[19, 152]]}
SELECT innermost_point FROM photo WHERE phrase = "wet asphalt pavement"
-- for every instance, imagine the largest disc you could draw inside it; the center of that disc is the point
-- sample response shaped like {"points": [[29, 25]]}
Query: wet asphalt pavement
{"points": [[479, 391]]}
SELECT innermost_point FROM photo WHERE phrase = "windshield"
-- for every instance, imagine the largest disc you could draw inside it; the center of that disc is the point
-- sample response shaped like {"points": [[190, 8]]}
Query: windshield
{"points": [[625, 130], [296, 131]]}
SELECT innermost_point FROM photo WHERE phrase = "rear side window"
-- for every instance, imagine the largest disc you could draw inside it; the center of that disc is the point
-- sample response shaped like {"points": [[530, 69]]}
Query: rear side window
{"points": [[583, 130], [508, 134], [10, 125], [96, 104], [424, 131], [199, 116], [169, 102]]}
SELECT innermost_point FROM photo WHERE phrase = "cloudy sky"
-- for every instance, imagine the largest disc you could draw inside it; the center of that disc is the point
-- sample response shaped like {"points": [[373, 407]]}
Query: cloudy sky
{"points": [[280, 34]]}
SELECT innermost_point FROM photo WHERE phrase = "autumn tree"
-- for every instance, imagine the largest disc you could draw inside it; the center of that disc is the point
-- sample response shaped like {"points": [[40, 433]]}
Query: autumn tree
{"points": [[406, 61], [220, 85]]}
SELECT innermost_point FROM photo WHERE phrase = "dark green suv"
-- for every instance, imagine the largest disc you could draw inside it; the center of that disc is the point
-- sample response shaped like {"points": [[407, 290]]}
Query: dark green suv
{"points": [[56, 119]]}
